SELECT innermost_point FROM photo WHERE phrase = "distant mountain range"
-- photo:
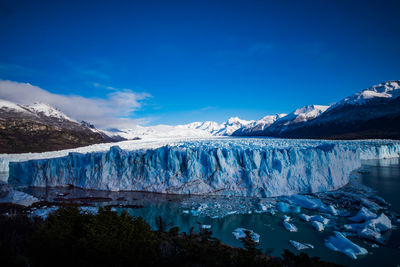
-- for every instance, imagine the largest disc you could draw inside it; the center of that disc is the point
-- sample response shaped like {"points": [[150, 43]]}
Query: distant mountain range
{"points": [[371, 113]]}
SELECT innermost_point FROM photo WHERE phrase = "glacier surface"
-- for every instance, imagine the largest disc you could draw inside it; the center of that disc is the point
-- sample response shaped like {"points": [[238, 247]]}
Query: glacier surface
{"points": [[221, 166]]}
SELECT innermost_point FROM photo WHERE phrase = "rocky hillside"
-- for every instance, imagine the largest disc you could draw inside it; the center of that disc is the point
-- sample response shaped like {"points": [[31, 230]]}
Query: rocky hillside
{"points": [[40, 127]]}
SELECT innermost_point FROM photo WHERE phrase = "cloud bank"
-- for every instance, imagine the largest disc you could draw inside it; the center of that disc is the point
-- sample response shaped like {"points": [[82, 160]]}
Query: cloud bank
{"points": [[109, 112]]}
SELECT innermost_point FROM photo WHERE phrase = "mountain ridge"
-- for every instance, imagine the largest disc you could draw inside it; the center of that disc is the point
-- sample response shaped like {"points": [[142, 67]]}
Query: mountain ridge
{"points": [[40, 127]]}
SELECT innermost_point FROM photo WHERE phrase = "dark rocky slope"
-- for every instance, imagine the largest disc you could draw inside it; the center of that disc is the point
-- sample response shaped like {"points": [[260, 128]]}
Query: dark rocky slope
{"points": [[25, 130]]}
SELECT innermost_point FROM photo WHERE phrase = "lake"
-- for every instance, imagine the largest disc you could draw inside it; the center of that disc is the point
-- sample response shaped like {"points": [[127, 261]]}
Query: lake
{"points": [[381, 175]]}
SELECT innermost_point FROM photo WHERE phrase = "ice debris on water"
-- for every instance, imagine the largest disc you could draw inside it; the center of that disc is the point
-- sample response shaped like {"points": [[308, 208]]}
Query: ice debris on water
{"points": [[288, 226], [43, 212], [338, 242], [311, 203], [300, 246], [286, 208], [362, 215], [318, 226], [240, 233], [205, 226], [371, 229], [313, 218]]}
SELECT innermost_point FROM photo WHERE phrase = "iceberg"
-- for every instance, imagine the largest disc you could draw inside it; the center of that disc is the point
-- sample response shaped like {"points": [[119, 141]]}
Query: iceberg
{"points": [[362, 215], [318, 218], [240, 233], [300, 246], [43, 212], [338, 242], [288, 226], [286, 208], [372, 228], [318, 226]]}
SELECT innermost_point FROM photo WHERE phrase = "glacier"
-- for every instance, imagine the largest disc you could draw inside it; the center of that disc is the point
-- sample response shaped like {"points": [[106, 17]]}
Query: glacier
{"points": [[220, 166]]}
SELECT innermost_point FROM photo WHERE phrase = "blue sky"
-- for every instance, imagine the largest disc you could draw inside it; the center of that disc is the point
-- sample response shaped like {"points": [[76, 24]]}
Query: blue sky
{"points": [[201, 60]]}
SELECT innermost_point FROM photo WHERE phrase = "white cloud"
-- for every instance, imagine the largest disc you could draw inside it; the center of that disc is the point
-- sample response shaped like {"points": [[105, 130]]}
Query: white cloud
{"points": [[109, 112]]}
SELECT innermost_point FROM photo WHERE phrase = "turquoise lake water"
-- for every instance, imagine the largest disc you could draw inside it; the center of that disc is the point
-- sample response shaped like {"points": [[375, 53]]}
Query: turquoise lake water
{"points": [[381, 175]]}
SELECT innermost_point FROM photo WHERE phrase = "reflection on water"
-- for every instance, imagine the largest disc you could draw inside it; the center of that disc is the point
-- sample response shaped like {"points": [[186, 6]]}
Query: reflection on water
{"points": [[384, 177], [381, 175]]}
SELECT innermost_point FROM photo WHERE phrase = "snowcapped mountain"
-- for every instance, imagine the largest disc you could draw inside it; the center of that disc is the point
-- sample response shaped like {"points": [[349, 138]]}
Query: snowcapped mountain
{"points": [[48, 111], [232, 125], [259, 125], [303, 114], [208, 126], [371, 113], [41, 127], [39, 110], [383, 91], [194, 129], [280, 122]]}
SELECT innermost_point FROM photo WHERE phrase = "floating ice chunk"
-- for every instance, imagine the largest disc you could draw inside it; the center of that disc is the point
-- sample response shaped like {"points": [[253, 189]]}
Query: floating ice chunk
{"points": [[231, 212], [18, 198], [372, 228], [313, 218], [363, 215], [311, 203], [195, 212], [205, 226], [44, 212], [240, 233], [286, 218], [318, 226], [286, 208], [370, 204], [304, 217], [295, 209], [264, 207], [300, 246], [185, 211], [371, 234], [382, 222], [282, 207], [332, 210], [290, 227], [338, 242]]}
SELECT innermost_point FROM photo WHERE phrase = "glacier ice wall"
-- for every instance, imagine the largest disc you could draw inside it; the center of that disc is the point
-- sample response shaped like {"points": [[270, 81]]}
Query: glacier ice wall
{"points": [[241, 167], [202, 170]]}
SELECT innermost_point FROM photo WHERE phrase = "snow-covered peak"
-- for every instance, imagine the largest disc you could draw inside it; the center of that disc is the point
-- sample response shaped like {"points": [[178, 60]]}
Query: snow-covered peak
{"points": [[209, 126], [269, 119], [47, 110], [232, 125], [303, 114], [390, 89], [236, 120], [11, 106]]}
